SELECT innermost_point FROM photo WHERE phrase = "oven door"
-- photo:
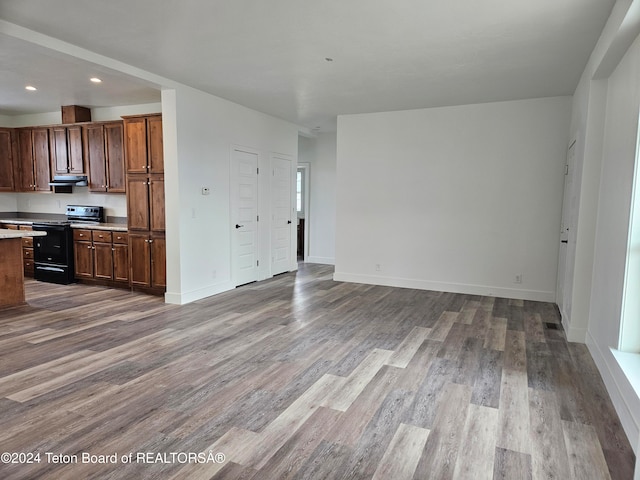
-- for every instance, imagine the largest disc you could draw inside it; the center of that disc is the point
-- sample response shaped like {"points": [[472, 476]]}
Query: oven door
{"points": [[54, 247]]}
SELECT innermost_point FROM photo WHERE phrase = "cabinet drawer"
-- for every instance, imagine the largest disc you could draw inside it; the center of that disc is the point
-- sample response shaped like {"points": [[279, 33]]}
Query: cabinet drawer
{"points": [[25, 227], [27, 241], [10, 226], [28, 267], [101, 236], [80, 234], [27, 253], [120, 237]]}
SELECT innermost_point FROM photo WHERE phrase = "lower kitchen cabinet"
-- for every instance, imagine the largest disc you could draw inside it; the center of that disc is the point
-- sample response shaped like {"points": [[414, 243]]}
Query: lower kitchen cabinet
{"points": [[27, 247], [102, 256], [148, 261]]}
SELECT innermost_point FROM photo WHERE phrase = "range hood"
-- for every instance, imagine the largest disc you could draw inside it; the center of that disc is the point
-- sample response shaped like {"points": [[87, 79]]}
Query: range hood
{"points": [[69, 181], [65, 183]]}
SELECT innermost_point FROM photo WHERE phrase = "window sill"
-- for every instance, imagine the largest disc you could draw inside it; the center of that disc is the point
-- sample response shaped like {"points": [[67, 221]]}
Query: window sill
{"points": [[630, 365]]}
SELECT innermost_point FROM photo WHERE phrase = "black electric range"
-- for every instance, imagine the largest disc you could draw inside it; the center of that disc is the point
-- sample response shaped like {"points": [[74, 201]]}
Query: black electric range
{"points": [[53, 253]]}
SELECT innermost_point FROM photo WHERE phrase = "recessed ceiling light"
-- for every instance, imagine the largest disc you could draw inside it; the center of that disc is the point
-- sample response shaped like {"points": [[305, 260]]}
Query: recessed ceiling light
{"points": [[328, 59], [95, 80], [30, 88]]}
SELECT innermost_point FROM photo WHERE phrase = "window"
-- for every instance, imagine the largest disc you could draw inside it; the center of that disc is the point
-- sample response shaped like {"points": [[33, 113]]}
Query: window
{"points": [[299, 197]]}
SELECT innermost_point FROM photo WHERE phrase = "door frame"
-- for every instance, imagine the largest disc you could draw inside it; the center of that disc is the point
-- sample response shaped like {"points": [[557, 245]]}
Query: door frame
{"points": [[306, 166], [232, 259], [566, 249], [293, 264]]}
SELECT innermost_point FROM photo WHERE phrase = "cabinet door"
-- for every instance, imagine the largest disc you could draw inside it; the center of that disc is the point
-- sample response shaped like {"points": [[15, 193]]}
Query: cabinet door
{"points": [[41, 159], [25, 160], [156, 203], [94, 139], [158, 262], [156, 152], [138, 202], [6, 160], [135, 130], [139, 259], [103, 261], [75, 150], [59, 155], [83, 258], [113, 134], [120, 262]]}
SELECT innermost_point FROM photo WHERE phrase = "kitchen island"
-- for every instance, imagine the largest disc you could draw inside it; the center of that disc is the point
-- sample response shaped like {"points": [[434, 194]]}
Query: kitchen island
{"points": [[11, 268]]}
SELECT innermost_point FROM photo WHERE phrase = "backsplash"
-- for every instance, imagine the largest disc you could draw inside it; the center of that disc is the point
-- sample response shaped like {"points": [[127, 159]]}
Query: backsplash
{"points": [[115, 205]]}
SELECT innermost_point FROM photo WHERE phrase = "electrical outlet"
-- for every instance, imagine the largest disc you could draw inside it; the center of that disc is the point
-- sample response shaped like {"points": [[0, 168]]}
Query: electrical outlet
{"points": [[377, 267], [518, 278]]}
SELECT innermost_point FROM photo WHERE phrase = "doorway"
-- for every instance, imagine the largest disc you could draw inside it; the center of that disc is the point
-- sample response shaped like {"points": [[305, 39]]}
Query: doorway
{"points": [[244, 216], [566, 256], [302, 208], [282, 215]]}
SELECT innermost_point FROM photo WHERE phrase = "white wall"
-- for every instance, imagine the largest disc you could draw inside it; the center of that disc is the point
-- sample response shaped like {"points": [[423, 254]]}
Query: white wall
{"points": [[199, 132], [618, 162], [8, 202], [458, 199], [605, 122], [102, 114], [320, 153]]}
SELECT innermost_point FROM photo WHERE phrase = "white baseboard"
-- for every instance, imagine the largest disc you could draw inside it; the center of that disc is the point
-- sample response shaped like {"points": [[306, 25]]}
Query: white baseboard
{"points": [[322, 260], [521, 294], [192, 296], [578, 335], [625, 400]]}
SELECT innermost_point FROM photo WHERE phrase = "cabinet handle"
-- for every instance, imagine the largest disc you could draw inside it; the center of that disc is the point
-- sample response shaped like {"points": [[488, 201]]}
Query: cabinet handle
{"points": [[89, 246], [150, 241]]}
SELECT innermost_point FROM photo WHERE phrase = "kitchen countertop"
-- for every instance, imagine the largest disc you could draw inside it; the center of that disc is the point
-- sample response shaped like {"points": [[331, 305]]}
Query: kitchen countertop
{"points": [[6, 233], [115, 227]]}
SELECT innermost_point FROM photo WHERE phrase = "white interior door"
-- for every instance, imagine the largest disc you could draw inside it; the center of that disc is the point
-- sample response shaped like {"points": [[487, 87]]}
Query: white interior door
{"points": [[565, 258], [244, 216], [282, 215]]}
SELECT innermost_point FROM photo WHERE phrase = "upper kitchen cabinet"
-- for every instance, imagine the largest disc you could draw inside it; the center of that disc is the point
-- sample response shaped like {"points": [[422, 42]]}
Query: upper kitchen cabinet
{"points": [[66, 148], [34, 159], [7, 149], [104, 150], [143, 144]]}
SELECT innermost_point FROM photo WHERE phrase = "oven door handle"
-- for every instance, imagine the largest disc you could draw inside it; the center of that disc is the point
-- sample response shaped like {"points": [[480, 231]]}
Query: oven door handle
{"points": [[49, 269]]}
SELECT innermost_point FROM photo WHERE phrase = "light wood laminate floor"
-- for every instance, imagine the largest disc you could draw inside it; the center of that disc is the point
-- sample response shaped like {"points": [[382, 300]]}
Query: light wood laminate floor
{"points": [[300, 377]]}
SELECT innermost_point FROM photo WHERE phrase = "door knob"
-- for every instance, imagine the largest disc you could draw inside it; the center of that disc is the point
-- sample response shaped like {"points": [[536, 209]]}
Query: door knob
{"points": [[288, 222], [239, 226]]}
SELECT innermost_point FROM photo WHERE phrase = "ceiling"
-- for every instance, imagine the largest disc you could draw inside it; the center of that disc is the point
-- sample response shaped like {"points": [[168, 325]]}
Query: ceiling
{"points": [[272, 56]]}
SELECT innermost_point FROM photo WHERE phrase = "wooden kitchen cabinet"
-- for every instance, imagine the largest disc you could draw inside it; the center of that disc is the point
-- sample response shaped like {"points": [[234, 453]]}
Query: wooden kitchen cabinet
{"points": [[105, 157], [34, 159], [143, 144], [7, 148], [66, 147], [145, 203], [103, 260], [147, 255], [83, 253], [158, 262], [120, 257], [101, 257], [27, 252]]}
